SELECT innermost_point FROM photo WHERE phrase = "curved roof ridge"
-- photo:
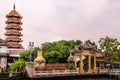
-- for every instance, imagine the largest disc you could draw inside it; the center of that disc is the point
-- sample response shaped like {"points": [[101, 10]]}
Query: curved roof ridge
{"points": [[13, 13]]}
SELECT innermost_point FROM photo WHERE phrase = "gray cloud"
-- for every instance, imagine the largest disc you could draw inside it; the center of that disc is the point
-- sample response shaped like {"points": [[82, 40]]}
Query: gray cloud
{"points": [[51, 20]]}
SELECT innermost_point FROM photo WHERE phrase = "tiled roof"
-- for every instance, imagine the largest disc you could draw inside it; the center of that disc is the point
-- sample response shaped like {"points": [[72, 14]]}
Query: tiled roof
{"points": [[13, 13]]}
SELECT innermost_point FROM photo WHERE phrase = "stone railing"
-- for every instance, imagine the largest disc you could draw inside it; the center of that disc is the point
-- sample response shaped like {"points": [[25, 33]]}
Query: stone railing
{"points": [[110, 71], [59, 66], [103, 70], [114, 72], [55, 72], [12, 74]]}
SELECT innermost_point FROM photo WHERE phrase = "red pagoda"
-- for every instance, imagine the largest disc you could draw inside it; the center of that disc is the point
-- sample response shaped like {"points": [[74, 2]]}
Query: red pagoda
{"points": [[13, 33]]}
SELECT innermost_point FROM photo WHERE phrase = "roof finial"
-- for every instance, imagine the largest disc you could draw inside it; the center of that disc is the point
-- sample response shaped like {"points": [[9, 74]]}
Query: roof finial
{"points": [[14, 5]]}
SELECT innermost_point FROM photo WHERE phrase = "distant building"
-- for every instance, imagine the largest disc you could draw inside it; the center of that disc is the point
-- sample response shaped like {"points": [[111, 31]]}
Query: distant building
{"points": [[13, 35], [4, 54], [7, 55]]}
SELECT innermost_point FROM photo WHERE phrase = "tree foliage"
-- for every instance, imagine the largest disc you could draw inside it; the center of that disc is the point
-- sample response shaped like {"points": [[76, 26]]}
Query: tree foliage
{"points": [[54, 52], [71, 66], [110, 48], [18, 65], [53, 56], [25, 55], [60, 48]]}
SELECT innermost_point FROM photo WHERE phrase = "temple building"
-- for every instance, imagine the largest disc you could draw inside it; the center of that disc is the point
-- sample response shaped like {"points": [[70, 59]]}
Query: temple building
{"points": [[84, 57], [12, 46], [3, 54], [13, 33], [88, 58]]}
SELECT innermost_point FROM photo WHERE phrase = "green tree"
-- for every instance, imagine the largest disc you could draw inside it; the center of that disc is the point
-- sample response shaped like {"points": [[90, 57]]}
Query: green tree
{"points": [[53, 57], [110, 48], [64, 50], [25, 55], [71, 66], [61, 46], [18, 65], [46, 47]]}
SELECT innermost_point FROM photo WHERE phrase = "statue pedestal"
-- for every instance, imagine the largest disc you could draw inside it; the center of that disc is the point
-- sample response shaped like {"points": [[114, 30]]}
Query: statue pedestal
{"points": [[90, 70], [81, 71], [95, 70]]}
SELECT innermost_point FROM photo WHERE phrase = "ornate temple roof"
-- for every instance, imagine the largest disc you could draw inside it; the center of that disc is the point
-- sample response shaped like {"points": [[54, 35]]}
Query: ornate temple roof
{"points": [[84, 47], [13, 13]]}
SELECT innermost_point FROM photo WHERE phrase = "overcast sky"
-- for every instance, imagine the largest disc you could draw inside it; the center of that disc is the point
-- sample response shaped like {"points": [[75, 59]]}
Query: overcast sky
{"points": [[53, 20]]}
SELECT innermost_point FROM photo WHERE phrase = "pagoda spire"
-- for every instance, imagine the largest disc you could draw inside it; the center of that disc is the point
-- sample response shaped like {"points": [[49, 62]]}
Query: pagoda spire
{"points": [[14, 6]]}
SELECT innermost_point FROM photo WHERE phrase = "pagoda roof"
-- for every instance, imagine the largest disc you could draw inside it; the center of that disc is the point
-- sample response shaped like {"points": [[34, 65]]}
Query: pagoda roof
{"points": [[13, 13], [15, 46], [16, 33], [13, 27], [14, 39]]}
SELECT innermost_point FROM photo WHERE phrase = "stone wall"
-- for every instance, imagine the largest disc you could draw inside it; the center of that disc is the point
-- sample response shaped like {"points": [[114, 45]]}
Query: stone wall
{"points": [[58, 66]]}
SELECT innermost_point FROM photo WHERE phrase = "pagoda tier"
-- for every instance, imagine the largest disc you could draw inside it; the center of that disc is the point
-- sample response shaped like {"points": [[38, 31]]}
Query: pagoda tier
{"points": [[14, 39], [14, 45], [13, 33], [14, 13], [13, 20], [13, 28]]}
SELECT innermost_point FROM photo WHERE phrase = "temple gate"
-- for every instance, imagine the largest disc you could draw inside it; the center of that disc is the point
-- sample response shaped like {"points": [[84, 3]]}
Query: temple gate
{"points": [[81, 52]]}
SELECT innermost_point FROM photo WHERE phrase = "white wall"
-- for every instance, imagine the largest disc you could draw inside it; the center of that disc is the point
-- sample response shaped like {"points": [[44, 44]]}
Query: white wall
{"points": [[3, 49], [3, 60]]}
